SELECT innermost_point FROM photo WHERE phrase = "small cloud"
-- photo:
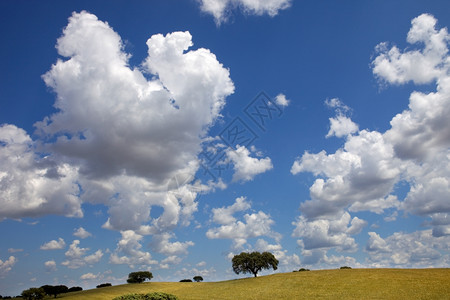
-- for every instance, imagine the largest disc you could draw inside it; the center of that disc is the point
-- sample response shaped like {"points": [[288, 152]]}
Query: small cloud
{"points": [[281, 100], [12, 250], [201, 264], [338, 105], [245, 166], [54, 245], [82, 233], [6, 266], [88, 276], [221, 9], [50, 266]]}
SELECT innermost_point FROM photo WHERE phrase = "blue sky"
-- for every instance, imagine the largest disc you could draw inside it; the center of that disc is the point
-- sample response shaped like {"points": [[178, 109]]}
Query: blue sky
{"points": [[170, 135]]}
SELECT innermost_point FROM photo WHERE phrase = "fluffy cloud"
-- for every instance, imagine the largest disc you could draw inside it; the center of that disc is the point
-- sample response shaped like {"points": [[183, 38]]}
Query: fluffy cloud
{"points": [[341, 126], [245, 166], [54, 245], [6, 266], [88, 276], [32, 185], [420, 66], [119, 135], [326, 233], [287, 262], [254, 225], [221, 8], [82, 233], [281, 100], [129, 135], [130, 248], [419, 249], [50, 266], [161, 244], [362, 175], [76, 256]]}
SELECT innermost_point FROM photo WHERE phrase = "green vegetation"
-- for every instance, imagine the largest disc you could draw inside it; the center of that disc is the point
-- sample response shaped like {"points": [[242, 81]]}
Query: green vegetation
{"points": [[139, 277], [322, 284], [33, 294], [254, 262], [150, 296]]}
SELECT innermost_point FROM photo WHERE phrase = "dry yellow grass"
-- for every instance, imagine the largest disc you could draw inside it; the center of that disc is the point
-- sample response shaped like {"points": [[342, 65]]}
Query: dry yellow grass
{"points": [[323, 284]]}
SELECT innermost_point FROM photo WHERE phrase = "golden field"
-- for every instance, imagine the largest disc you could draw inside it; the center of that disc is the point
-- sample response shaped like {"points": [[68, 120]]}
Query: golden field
{"points": [[321, 284]]}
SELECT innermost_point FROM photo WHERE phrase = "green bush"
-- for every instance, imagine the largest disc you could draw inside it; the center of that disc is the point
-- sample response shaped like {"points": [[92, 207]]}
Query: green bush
{"points": [[345, 267], [303, 270], [150, 296]]}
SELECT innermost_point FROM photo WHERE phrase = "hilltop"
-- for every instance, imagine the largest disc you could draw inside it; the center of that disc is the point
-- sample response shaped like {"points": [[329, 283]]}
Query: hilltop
{"points": [[321, 284]]}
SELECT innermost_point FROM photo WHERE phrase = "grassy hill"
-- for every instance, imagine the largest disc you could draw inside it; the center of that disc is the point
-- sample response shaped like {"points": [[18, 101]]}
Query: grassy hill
{"points": [[323, 284]]}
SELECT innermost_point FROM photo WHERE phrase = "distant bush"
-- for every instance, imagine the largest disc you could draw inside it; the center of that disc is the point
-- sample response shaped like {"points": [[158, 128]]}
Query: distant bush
{"points": [[198, 278], [345, 267], [103, 285], [186, 280], [150, 296], [303, 270], [75, 289]]}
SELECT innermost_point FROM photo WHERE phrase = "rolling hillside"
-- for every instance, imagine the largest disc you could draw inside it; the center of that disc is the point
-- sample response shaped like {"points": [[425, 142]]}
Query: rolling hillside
{"points": [[322, 284]]}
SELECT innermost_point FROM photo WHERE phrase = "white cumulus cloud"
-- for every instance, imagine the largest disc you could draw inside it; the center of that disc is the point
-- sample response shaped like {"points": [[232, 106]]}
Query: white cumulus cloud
{"points": [[54, 245], [362, 175], [76, 256], [129, 251], [253, 225], [245, 166], [6, 266], [220, 9], [82, 233], [281, 100], [50, 266]]}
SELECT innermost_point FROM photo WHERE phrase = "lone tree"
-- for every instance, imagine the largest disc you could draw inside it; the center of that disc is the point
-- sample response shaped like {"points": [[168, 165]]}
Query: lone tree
{"points": [[55, 290], [198, 278], [139, 277], [254, 262], [33, 294]]}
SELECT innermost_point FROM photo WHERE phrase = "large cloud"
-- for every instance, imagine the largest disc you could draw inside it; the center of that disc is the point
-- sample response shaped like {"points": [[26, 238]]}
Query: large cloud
{"points": [[363, 174], [118, 137], [221, 8], [119, 133]]}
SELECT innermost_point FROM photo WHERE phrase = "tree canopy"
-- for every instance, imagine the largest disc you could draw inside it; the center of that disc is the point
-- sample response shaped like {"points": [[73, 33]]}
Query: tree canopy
{"points": [[55, 290], [139, 277], [198, 278], [254, 262], [33, 294]]}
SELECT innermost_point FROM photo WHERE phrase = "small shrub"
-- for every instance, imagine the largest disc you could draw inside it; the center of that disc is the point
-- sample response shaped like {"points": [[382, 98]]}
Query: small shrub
{"points": [[186, 280], [303, 270], [345, 267], [150, 296], [103, 285]]}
